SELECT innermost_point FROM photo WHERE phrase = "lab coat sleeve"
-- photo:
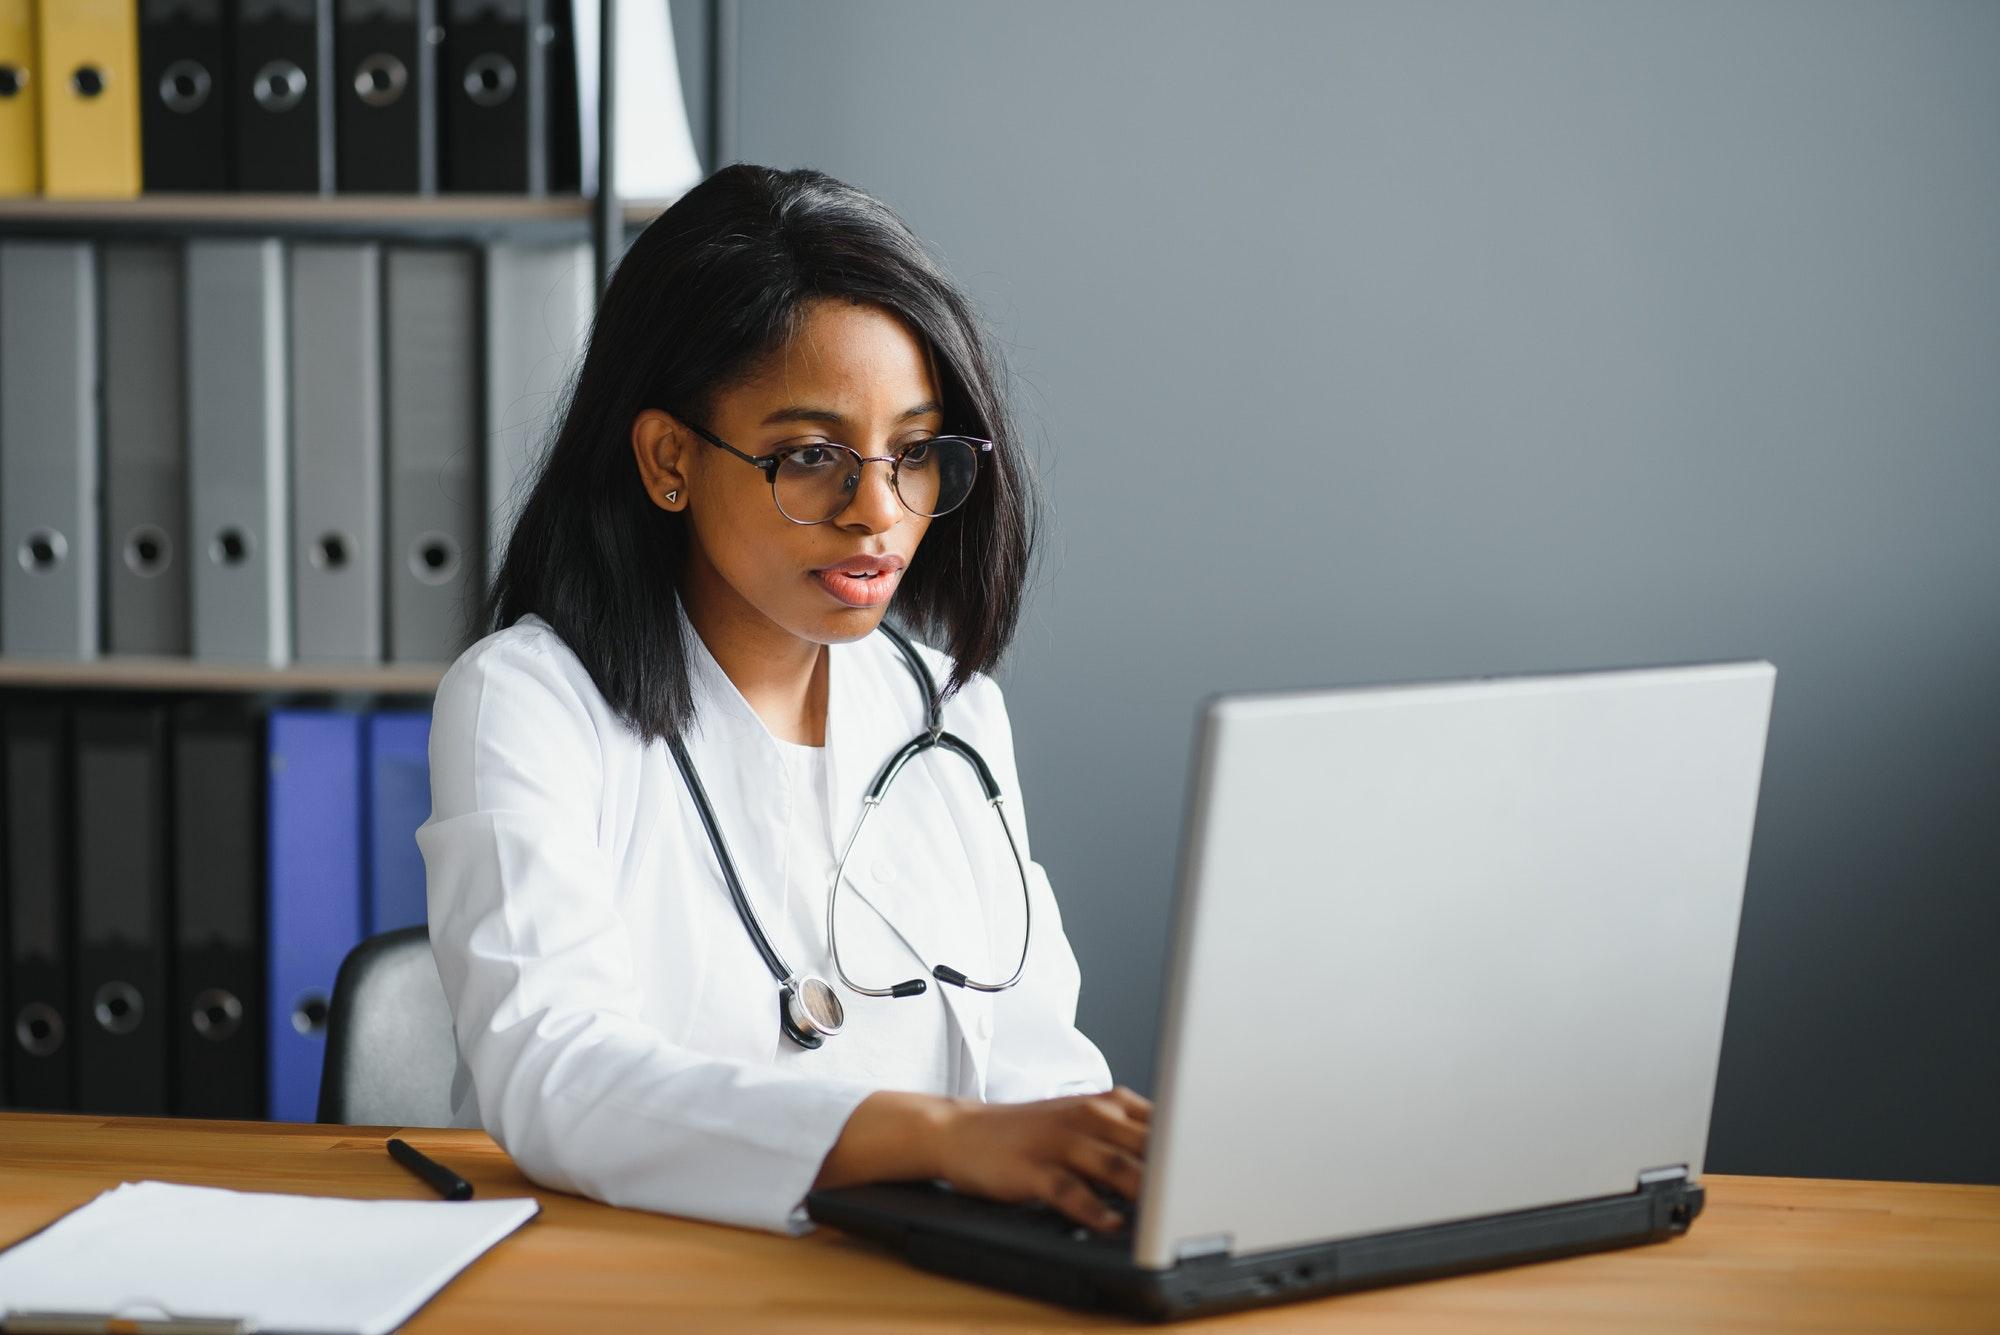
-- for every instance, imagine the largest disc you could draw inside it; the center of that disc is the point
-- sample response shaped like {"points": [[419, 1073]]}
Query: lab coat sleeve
{"points": [[538, 966], [1038, 1052]]}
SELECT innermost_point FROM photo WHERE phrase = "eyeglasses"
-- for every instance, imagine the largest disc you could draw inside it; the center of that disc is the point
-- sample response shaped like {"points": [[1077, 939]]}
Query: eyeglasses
{"points": [[814, 483]]}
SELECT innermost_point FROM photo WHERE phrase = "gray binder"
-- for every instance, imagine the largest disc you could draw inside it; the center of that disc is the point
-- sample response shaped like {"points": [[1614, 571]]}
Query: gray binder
{"points": [[436, 502], [238, 487], [538, 309], [145, 452], [336, 390], [48, 449]]}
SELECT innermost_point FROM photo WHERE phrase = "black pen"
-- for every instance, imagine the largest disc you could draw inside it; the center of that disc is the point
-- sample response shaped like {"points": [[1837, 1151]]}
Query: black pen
{"points": [[435, 1175]]}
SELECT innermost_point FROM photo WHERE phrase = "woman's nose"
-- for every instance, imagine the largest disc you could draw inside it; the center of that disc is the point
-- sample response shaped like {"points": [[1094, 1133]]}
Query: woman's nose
{"points": [[874, 501]]}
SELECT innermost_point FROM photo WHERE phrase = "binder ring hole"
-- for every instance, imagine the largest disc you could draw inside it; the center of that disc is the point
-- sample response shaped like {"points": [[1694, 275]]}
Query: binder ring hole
{"points": [[217, 1014], [12, 80], [118, 1007], [43, 550], [39, 1029], [230, 548], [279, 86], [184, 86], [148, 551], [379, 80], [434, 559], [309, 1015], [489, 79], [87, 80], [332, 551]]}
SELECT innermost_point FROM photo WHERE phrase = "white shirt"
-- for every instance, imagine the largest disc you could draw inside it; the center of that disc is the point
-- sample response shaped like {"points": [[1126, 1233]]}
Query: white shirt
{"points": [[890, 1042], [617, 1031]]}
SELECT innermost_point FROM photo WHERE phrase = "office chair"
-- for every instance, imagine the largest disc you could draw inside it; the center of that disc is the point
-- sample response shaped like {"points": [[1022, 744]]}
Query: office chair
{"points": [[389, 1047]]}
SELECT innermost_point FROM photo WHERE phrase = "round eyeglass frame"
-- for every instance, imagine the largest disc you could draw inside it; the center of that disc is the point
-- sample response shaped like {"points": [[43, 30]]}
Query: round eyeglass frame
{"points": [[768, 464]]}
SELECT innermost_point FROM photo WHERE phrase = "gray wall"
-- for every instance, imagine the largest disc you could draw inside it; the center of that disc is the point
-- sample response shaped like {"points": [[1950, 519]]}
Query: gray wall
{"points": [[1361, 342]]}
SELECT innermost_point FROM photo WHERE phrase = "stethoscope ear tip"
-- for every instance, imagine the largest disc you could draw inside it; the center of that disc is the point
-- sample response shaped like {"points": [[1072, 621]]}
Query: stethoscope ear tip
{"points": [[915, 987]]}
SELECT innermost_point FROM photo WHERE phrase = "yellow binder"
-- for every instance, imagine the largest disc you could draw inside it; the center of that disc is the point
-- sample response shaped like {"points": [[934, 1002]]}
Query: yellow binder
{"points": [[89, 67], [20, 145]]}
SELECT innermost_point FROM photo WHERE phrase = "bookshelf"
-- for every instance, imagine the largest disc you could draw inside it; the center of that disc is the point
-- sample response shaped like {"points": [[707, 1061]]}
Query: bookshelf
{"points": [[446, 217], [237, 787], [140, 673]]}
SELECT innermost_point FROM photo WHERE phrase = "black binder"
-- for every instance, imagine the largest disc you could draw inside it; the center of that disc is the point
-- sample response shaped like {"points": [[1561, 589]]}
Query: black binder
{"points": [[283, 107], [565, 107], [184, 87], [218, 1007], [495, 96], [386, 91], [41, 1033], [122, 920]]}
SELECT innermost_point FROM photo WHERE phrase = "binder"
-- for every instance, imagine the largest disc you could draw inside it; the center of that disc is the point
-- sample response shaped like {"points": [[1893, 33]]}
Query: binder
{"points": [[436, 505], [238, 502], [145, 452], [41, 1029], [313, 893], [218, 1006], [88, 54], [386, 92], [495, 87], [283, 108], [336, 395], [539, 301], [565, 101], [20, 119], [48, 449], [122, 920], [185, 84], [399, 800]]}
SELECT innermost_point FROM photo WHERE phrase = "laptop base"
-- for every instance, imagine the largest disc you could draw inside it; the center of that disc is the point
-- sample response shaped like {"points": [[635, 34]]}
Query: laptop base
{"points": [[1033, 1251]]}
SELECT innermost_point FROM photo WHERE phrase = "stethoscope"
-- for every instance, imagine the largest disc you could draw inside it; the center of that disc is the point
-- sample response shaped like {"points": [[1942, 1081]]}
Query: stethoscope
{"points": [[809, 1010]]}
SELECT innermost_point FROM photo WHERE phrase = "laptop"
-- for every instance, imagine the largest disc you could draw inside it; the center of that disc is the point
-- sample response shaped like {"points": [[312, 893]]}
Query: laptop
{"points": [[1449, 970]]}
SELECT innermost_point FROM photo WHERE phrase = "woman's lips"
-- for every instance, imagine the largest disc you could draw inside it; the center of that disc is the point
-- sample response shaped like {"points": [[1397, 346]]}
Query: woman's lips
{"points": [[856, 591]]}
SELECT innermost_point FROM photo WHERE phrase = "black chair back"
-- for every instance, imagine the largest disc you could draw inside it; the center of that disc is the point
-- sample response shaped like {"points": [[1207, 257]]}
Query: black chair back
{"points": [[389, 1048]]}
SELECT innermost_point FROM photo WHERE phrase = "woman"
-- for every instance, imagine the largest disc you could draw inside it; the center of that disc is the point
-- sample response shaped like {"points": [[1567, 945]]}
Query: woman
{"points": [[698, 560]]}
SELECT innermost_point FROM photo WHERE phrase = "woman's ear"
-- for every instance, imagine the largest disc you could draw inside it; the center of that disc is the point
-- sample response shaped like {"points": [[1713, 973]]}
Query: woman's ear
{"points": [[659, 445]]}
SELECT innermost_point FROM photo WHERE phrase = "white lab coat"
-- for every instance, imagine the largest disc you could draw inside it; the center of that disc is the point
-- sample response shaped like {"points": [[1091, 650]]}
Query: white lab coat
{"points": [[616, 1028]]}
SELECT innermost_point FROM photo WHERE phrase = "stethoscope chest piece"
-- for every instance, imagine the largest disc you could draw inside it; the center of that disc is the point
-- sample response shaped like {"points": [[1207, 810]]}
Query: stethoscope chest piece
{"points": [[809, 1010]]}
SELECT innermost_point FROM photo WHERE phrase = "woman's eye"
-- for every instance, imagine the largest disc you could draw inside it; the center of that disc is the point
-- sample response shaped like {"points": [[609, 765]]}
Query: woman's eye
{"points": [[810, 456], [917, 453]]}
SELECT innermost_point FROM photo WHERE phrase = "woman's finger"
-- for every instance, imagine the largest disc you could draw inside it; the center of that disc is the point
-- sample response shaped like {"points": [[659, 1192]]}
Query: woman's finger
{"points": [[1106, 1163], [1069, 1194], [1135, 1104], [1109, 1121]]}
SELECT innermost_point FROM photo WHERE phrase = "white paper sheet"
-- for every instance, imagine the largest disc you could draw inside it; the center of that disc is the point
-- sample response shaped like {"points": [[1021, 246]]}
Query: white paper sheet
{"points": [[307, 1264]]}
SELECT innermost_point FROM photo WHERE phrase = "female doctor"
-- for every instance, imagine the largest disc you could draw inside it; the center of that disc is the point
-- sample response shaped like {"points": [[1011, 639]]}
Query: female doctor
{"points": [[646, 775]]}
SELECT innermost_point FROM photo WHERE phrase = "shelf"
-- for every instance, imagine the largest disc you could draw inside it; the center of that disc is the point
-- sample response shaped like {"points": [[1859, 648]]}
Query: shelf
{"points": [[133, 673], [429, 216]]}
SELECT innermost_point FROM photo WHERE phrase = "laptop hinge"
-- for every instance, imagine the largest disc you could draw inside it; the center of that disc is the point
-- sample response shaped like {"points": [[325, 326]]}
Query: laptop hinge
{"points": [[1208, 1244], [1667, 1174]]}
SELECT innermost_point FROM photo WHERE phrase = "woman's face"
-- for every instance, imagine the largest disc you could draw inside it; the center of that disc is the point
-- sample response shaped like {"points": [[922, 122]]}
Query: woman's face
{"points": [[855, 375]]}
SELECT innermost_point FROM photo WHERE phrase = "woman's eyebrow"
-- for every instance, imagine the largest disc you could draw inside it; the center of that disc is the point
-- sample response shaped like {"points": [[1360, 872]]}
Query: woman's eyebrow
{"points": [[800, 413]]}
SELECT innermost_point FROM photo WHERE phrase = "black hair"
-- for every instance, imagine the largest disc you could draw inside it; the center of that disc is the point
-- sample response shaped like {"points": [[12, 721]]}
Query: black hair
{"points": [[712, 287]]}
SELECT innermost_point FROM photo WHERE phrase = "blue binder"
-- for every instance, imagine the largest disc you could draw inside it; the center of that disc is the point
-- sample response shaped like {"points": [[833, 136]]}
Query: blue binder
{"points": [[399, 800], [314, 892]]}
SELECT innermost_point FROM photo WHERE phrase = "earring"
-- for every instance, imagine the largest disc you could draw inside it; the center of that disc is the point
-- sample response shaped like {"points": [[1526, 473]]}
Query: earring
{"points": [[672, 494]]}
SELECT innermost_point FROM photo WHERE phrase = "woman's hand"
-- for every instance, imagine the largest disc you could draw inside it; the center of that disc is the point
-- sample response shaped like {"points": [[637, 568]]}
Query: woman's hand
{"points": [[1052, 1150]]}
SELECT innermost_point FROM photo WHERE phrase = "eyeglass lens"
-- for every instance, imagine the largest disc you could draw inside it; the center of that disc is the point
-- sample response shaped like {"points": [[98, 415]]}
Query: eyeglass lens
{"points": [[815, 482]]}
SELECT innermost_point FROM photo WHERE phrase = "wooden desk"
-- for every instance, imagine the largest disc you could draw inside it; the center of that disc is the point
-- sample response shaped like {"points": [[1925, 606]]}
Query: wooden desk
{"points": [[1780, 1254]]}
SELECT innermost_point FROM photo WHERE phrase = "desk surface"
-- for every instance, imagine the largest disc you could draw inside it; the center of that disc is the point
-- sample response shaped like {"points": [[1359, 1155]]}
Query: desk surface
{"points": [[1767, 1253]]}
